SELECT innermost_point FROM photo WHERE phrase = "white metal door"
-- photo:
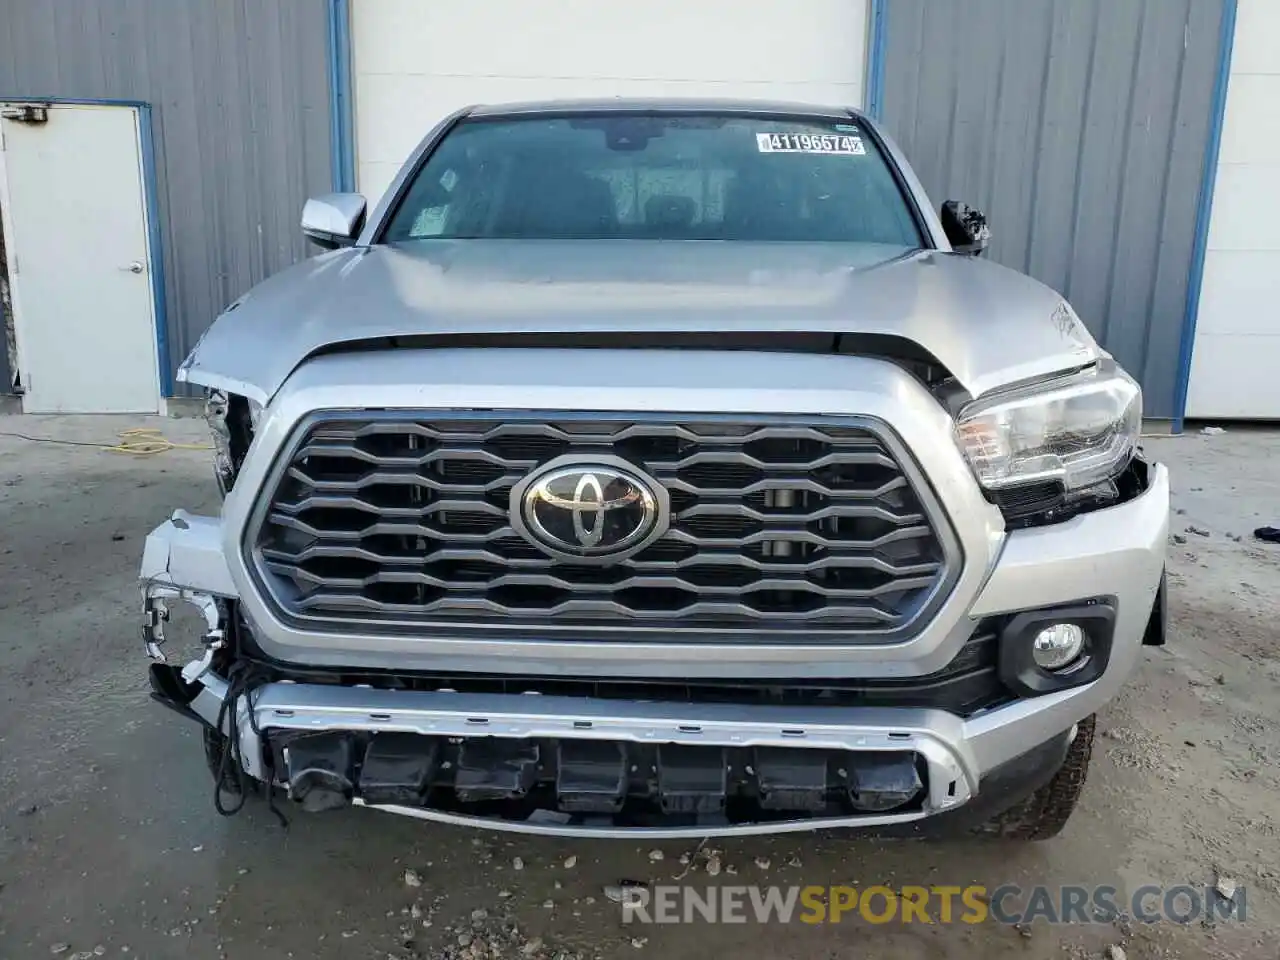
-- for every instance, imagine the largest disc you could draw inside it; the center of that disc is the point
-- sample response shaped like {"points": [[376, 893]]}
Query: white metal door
{"points": [[76, 232]]}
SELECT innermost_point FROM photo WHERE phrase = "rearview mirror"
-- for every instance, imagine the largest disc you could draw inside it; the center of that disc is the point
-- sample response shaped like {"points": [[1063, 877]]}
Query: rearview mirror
{"points": [[334, 219], [965, 227]]}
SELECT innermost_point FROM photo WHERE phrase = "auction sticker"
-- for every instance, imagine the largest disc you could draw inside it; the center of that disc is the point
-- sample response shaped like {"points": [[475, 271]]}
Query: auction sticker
{"points": [[844, 143]]}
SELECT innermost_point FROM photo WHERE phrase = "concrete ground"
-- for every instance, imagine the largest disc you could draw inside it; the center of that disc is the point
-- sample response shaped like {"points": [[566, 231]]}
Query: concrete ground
{"points": [[109, 843]]}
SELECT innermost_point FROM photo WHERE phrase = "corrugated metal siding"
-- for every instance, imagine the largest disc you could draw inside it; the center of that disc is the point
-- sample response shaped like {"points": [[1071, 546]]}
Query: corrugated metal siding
{"points": [[1079, 127], [6, 326], [240, 105]]}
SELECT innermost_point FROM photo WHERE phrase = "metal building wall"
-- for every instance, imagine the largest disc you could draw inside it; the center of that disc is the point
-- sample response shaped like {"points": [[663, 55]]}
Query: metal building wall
{"points": [[239, 91], [1079, 127]]}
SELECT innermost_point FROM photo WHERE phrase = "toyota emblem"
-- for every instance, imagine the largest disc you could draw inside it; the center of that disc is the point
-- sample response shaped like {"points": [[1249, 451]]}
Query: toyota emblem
{"points": [[602, 509]]}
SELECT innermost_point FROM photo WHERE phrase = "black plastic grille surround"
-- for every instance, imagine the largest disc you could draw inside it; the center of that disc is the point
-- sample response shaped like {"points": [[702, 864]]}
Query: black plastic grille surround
{"points": [[967, 685], [807, 528]]}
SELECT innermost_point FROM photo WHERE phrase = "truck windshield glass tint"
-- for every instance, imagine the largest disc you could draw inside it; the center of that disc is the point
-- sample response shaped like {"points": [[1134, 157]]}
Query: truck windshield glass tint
{"points": [[667, 177]]}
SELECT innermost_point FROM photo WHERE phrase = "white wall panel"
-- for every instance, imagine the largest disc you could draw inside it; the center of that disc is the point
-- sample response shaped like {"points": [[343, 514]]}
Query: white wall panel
{"points": [[1237, 344], [1257, 40], [1243, 286], [1251, 133], [415, 62], [1234, 377], [1246, 207]]}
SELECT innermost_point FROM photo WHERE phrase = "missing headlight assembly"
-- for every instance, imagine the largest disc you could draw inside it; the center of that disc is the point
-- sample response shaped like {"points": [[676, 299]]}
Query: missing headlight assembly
{"points": [[231, 420]]}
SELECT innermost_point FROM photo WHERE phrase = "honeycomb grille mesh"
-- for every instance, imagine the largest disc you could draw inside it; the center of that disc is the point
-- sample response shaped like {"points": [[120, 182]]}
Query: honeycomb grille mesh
{"points": [[775, 526]]}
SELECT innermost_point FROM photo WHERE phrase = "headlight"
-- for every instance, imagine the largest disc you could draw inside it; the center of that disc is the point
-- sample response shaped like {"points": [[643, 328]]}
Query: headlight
{"points": [[1079, 430]]}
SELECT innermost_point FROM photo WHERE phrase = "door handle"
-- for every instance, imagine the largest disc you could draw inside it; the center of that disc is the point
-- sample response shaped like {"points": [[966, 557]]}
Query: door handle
{"points": [[135, 267]]}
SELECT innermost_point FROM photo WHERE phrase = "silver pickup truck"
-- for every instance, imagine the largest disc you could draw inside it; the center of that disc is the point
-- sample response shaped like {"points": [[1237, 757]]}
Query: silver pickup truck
{"points": [[664, 468]]}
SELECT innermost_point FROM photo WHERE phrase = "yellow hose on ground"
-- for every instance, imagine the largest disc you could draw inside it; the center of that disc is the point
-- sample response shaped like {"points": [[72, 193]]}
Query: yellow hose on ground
{"points": [[138, 442], [147, 441]]}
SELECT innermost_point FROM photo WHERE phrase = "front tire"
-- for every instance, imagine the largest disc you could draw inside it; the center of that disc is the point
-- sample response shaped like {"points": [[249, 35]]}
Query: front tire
{"points": [[1043, 814]]}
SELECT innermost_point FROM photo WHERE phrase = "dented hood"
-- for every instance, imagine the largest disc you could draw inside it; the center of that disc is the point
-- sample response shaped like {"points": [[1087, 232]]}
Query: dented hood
{"points": [[988, 325]]}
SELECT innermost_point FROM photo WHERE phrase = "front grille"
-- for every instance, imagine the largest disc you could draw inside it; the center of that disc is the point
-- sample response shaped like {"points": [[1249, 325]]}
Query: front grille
{"points": [[814, 528]]}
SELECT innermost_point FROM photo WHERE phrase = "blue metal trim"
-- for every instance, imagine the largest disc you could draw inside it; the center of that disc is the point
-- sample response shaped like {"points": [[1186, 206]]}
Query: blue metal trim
{"points": [[876, 58], [341, 130], [151, 205], [155, 245], [1204, 211]]}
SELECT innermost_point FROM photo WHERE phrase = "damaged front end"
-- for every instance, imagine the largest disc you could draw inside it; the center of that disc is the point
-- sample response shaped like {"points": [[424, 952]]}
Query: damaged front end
{"points": [[535, 723], [619, 782], [232, 419], [532, 761], [194, 690]]}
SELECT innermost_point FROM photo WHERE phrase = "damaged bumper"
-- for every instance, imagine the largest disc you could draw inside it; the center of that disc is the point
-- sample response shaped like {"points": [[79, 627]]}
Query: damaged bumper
{"points": [[566, 765], [585, 765], [182, 562]]}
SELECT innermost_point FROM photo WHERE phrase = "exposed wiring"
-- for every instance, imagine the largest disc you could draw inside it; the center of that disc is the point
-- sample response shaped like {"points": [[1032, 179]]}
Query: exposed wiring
{"points": [[243, 677], [138, 442]]}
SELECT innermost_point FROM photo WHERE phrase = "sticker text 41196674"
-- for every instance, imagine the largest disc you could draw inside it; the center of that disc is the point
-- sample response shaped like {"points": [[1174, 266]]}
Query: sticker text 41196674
{"points": [[811, 143]]}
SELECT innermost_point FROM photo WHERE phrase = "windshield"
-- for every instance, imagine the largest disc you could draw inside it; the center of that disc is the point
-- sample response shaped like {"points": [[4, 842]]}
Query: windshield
{"points": [[663, 177]]}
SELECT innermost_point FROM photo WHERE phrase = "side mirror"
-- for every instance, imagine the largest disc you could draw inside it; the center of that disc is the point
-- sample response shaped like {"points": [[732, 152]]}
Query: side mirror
{"points": [[965, 227], [334, 219]]}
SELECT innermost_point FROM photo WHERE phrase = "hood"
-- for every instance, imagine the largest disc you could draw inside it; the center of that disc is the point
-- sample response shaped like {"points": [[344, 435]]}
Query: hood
{"points": [[989, 326]]}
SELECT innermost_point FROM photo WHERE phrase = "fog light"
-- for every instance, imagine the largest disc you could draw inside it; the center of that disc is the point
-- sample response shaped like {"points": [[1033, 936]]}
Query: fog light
{"points": [[1057, 646]]}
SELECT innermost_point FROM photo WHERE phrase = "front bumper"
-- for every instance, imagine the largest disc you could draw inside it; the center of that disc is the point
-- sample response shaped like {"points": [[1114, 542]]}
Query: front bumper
{"points": [[1116, 552]]}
